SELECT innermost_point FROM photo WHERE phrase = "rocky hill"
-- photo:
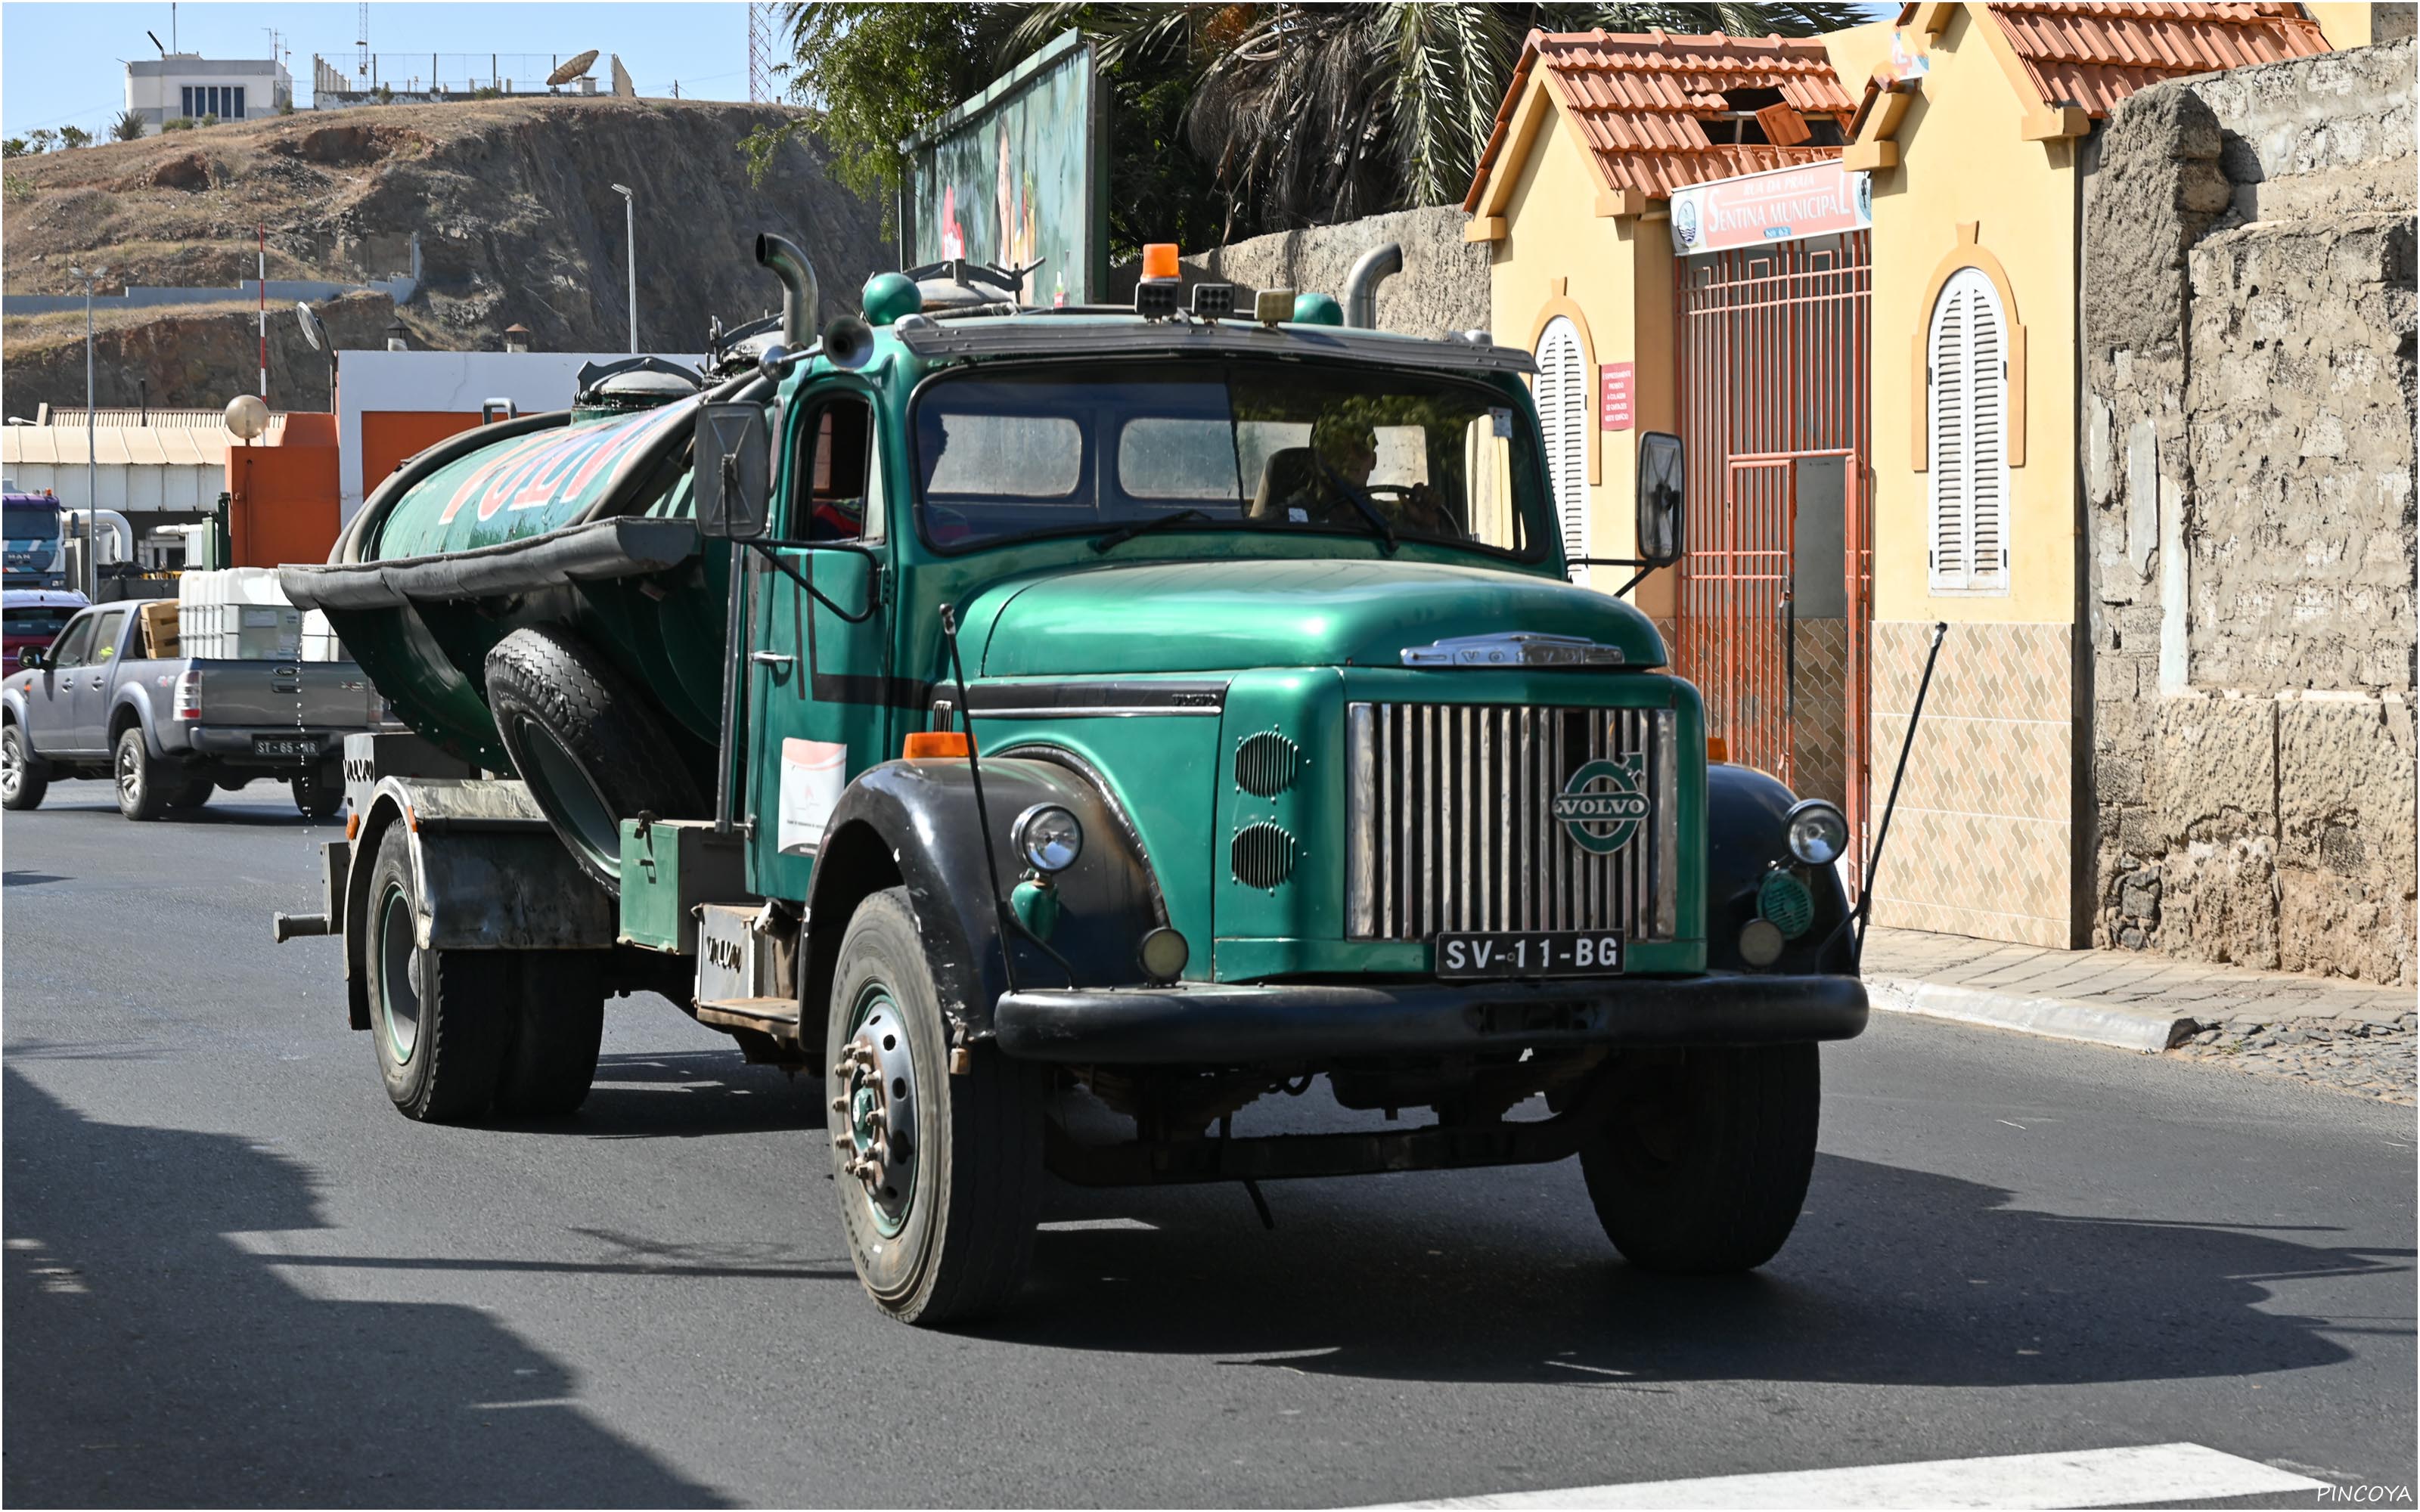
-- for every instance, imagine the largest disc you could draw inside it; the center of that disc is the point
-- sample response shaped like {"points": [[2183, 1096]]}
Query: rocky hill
{"points": [[516, 217]]}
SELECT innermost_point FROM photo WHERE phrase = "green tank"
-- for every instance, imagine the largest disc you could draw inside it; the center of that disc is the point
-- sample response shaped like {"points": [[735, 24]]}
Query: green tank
{"points": [[579, 518]]}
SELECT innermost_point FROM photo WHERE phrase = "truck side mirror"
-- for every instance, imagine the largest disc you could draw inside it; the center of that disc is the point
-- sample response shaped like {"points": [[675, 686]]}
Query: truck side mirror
{"points": [[735, 466], [1662, 477], [31, 658]]}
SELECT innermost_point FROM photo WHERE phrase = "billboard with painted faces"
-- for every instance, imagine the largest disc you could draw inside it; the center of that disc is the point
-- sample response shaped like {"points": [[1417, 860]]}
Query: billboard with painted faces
{"points": [[1014, 178]]}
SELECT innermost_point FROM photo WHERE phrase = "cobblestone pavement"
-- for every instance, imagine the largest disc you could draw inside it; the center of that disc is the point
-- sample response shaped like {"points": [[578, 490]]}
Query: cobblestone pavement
{"points": [[2346, 1037]]}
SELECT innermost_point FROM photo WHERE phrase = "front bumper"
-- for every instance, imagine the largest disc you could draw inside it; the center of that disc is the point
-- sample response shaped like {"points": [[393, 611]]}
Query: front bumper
{"points": [[1320, 1022]]}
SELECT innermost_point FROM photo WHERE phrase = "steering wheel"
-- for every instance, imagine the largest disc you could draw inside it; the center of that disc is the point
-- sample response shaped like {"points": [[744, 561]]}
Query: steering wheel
{"points": [[1417, 509]]}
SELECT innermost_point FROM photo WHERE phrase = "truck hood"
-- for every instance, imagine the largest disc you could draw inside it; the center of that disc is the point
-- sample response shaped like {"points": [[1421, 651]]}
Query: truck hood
{"points": [[1211, 616]]}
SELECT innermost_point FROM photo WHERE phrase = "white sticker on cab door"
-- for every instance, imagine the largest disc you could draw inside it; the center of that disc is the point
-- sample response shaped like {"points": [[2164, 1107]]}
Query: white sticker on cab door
{"points": [[814, 772]]}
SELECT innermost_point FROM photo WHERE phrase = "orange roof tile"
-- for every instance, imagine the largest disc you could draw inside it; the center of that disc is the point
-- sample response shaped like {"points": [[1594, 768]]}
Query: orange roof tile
{"points": [[1638, 103], [2095, 53], [2095, 56]]}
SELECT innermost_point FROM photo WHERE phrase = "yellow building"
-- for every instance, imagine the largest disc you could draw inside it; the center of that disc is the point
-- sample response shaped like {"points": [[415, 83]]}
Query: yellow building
{"points": [[1880, 403], [1975, 154]]}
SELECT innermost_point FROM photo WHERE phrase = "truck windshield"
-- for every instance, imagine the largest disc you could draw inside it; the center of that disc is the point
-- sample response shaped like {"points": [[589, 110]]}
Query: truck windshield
{"points": [[32, 532], [1246, 446]]}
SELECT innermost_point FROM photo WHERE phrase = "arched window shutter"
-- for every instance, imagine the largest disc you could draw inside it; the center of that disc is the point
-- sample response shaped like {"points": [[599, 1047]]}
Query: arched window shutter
{"points": [[1966, 411], [1562, 392]]}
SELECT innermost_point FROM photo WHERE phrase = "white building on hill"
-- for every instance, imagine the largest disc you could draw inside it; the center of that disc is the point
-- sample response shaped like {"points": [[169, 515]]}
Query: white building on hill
{"points": [[189, 87]]}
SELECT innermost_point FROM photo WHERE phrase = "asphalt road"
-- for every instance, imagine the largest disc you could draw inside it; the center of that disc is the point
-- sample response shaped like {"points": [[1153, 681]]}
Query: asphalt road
{"points": [[234, 1274]]}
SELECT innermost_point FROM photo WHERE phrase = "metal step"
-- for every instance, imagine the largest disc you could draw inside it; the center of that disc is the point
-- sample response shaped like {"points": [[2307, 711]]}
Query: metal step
{"points": [[769, 1013]]}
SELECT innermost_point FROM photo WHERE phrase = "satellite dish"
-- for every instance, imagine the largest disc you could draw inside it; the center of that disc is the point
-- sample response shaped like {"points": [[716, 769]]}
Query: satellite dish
{"points": [[572, 69], [247, 416], [313, 331]]}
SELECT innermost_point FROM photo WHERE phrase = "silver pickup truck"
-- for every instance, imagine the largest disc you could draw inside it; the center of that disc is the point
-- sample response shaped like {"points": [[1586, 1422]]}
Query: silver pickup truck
{"points": [[169, 730]]}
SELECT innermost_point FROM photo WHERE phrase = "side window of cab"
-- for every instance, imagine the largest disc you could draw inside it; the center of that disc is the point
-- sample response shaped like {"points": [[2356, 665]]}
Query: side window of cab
{"points": [[74, 643], [841, 499], [104, 640]]}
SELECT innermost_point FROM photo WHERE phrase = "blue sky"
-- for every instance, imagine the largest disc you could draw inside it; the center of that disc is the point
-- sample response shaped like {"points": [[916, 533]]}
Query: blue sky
{"points": [[61, 63]]}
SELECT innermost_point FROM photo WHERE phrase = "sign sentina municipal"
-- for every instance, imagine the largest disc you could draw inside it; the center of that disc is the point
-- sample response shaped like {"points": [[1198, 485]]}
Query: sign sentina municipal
{"points": [[1787, 205]]}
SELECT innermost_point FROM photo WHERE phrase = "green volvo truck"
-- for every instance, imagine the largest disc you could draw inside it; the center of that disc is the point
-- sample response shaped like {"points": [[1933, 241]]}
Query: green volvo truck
{"points": [[1059, 730]]}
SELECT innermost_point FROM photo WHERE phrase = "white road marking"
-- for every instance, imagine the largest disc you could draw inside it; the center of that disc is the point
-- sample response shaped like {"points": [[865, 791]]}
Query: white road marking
{"points": [[2091, 1478], [1071, 1226]]}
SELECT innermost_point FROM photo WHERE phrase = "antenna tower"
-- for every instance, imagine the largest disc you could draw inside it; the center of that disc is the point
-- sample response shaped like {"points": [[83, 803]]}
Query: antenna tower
{"points": [[764, 27], [362, 56]]}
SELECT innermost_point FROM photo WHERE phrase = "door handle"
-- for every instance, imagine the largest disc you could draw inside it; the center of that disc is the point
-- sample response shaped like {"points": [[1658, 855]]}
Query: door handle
{"points": [[771, 658]]}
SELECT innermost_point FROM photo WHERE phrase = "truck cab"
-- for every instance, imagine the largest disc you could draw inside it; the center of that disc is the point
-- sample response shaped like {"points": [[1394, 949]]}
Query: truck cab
{"points": [[1124, 715]]}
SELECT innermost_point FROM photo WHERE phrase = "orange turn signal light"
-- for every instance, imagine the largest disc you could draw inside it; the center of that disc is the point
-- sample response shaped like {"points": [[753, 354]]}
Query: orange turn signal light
{"points": [[1717, 749], [352, 826], [1159, 259], [924, 743]]}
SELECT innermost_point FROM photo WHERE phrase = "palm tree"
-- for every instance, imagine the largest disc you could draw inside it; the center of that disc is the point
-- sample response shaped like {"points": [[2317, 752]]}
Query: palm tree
{"points": [[1301, 114], [127, 128], [1312, 114]]}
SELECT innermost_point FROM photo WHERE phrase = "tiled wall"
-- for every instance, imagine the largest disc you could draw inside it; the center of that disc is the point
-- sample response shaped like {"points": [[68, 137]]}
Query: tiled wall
{"points": [[1820, 711], [1983, 844]]}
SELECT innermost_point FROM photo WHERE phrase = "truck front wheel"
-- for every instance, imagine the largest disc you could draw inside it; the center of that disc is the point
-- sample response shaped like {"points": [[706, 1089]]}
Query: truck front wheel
{"points": [[939, 1176], [24, 777], [442, 1019], [1702, 1167]]}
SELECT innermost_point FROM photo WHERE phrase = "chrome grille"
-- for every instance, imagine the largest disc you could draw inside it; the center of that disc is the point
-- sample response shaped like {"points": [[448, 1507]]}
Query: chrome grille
{"points": [[1451, 823]]}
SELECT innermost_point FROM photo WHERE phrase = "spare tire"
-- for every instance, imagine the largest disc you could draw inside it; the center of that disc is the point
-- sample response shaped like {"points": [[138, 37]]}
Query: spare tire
{"points": [[589, 744]]}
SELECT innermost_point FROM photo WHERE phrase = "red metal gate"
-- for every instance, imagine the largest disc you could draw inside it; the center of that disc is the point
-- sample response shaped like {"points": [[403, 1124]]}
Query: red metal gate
{"points": [[1774, 356]]}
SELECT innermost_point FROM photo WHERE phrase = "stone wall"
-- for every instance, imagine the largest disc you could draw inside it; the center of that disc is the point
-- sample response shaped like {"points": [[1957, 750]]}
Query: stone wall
{"points": [[2248, 460], [1443, 287]]}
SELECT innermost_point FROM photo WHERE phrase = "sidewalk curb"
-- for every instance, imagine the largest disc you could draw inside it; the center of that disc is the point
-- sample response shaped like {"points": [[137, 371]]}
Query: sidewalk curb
{"points": [[2146, 1030]]}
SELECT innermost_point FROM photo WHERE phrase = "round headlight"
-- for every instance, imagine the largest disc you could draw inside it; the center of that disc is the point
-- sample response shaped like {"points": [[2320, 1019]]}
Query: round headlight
{"points": [[1818, 833], [1048, 838]]}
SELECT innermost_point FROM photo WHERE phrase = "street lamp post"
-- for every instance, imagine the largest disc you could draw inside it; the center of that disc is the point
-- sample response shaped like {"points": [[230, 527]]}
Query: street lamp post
{"points": [[91, 443], [630, 230]]}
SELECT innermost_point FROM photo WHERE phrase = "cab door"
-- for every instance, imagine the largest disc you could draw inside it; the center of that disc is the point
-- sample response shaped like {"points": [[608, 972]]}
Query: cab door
{"points": [[50, 698], [822, 699], [89, 719]]}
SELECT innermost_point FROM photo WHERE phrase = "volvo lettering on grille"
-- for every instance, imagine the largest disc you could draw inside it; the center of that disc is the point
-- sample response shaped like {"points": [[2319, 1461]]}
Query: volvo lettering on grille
{"points": [[1604, 804]]}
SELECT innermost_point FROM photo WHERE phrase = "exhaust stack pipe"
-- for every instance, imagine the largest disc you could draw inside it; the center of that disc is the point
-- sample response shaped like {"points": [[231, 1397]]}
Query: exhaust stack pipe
{"points": [[788, 262], [1375, 267]]}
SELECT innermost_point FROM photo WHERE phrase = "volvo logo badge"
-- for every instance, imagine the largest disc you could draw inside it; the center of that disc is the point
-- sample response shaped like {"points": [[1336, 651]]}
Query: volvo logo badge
{"points": [[1604, 804]]}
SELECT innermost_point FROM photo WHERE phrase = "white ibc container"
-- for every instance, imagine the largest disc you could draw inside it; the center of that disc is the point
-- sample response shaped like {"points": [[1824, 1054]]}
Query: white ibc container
{"points": [[319, 642], [237, 614]]}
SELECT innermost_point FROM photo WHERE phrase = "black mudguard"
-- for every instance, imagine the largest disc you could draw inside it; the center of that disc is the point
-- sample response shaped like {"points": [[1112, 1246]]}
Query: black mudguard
{"points": [[914, 823], [1744, 813]]}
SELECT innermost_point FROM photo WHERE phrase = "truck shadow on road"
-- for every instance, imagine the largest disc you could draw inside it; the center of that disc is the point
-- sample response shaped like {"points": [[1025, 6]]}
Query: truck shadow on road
{"points": [[687, 1094], [1894, 1277], [151, 1360]]}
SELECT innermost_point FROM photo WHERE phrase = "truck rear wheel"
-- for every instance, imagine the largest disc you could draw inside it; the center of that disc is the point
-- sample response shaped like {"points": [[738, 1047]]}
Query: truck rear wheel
{"points": [[558, 1024], [1702, 1165], [145, 786], [196, 792], [24, 777], [317, 793], [442, 1019], [587, 743], [939, 1176]]}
